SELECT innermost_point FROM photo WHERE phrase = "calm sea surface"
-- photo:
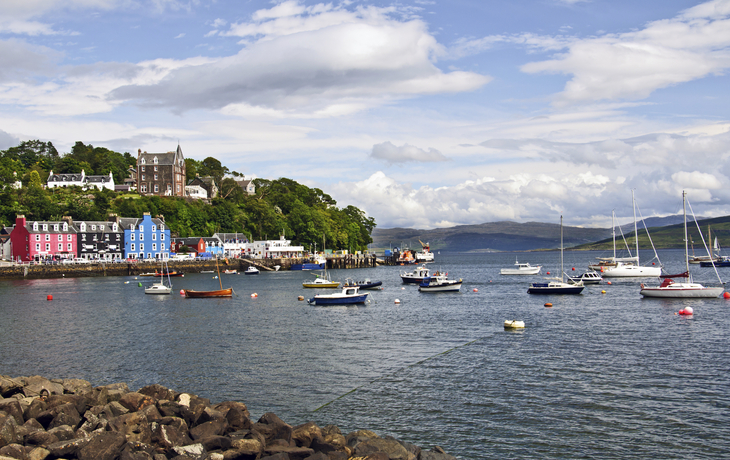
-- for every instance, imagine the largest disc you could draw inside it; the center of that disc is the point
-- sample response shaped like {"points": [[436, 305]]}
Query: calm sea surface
{"points": [[596, 376]]}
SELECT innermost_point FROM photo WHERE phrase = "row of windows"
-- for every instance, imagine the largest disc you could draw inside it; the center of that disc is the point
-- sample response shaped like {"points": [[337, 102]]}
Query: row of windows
{"points": [[156, 187], [48, 247], [48, 237], [141, 247], [141, 236], [143, 166]]}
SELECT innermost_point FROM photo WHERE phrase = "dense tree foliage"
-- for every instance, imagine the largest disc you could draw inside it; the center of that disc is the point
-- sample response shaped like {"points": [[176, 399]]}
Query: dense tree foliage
{"points": [[307, 216]]}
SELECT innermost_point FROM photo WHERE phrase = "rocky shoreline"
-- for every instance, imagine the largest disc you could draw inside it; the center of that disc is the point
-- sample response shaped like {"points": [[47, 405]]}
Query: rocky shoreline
{"points": [[48, 419]]}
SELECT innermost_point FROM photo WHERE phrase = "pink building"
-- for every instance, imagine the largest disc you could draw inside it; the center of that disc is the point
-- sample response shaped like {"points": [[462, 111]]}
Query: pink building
{"points": [[42, 240]]}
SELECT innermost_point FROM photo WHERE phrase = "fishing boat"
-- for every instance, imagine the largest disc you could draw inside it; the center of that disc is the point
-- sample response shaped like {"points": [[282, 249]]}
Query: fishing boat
{"points": [[439, 282], [407, 257], [521, 269], [168, 274], [557, 286], [317, 263], [321, 281], [685, 289], [589, 277], [631, 267], [159, 288], [416, 276], [348, 296], [366, 284], [148, 274], [251, 270], [228, 292]]}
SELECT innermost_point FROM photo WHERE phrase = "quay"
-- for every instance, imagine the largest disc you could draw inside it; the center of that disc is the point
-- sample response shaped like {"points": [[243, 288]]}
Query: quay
{"points": [[130, 268]]}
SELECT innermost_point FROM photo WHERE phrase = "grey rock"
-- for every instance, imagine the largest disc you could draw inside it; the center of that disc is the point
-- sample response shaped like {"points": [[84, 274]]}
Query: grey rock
{"points": [[392, 448], [102, 446], [12, 407]]}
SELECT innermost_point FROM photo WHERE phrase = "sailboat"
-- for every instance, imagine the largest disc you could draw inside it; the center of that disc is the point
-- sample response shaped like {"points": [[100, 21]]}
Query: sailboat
{"points": [[161, 287], [686, 289], [322, 281], [228, 292], [715, 251], [557, 287], [630, 268]]}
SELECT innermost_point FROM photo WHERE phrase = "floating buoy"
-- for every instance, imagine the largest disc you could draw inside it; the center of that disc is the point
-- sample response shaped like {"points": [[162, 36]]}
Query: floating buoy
{"points": [[548, 305], [573, 268], [476, 290], [126, 282], [402, 288], [601, 269], [603, 292], [686, 311], [139, 284], [548, 273], [653, 263], [397, 301], [49, 297], [182, 292], [301, 297], [608, 282], [254, 295], [514, 324], [726, 295]]}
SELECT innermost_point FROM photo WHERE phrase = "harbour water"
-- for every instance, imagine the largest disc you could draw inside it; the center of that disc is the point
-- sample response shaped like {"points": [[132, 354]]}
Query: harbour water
{"points": [[596, 376]]}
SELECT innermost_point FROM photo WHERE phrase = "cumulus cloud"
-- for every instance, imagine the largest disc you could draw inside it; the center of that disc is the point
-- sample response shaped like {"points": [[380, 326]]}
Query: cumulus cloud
{"points": [[630, 66], [312, 59], [405, 153], [21, 60]]}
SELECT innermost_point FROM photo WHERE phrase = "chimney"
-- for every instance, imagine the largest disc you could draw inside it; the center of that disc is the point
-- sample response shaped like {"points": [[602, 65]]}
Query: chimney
{"points": [[161, 217], [113, 218], [68, 219]]}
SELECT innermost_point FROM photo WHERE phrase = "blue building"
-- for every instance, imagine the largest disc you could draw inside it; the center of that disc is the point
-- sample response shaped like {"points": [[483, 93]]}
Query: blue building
{"points": [[146, 238]]}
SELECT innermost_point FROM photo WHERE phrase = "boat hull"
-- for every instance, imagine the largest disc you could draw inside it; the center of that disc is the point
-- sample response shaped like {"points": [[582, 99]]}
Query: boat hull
{"points": [[202, 294], [307, 266], [692, 291], [516, 271], [632, 271], [158, 290], [331, 285], [554, 288], [338, 300], [722, 263], [449, 286]]}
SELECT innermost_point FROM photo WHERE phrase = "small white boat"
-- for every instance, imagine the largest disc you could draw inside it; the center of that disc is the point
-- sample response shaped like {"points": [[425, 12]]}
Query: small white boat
{"points": [[589, 277], [521, 269], [514, 324], [207, 271], [416, 276], [161, 287], [251, 270], [230, 272], [439, 282], [349, 295]]}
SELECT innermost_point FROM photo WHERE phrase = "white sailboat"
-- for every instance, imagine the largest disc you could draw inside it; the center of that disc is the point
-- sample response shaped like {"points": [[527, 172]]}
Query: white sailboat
{"points": [[632, 268], [161, 287], [558, 286], [686, 289]]}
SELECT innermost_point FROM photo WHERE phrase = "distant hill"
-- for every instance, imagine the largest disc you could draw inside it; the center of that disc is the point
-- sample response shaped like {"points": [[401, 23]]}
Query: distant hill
{"points": [[666, 232]]}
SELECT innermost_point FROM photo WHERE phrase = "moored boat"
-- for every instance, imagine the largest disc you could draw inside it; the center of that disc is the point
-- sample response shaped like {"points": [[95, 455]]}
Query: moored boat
{"points": [[439, 282], [366, 284], [589, 277], [230, 272], [557, 286], [349, 295], [160, 288], [217, 293], [425, 255], [416, 276], [521, 269], [251, 270], [168, 274], [514, 324]]}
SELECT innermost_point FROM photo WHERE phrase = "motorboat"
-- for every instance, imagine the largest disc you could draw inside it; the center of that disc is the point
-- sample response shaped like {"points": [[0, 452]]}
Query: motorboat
{"points": [[348, 296], [439, 282], [425, 255], [317, 263], [251, 270], [557, 286], [230, 272], [514, 324], [416, 276], [365, 284], [589, 277], [521, 269], [685, 289], [168, 274]]}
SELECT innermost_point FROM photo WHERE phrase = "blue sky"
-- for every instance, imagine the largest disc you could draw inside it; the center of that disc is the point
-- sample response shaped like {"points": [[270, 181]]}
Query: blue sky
{"points": [[423, 113]]}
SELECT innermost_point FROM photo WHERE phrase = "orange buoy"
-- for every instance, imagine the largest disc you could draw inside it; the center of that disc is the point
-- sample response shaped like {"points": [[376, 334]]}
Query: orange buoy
{"points": [[608, 282], [573, 269], [687, 311], [476, 290], [254, 295], [603, 291], [548, 305], [49, 297], [726, 295]]}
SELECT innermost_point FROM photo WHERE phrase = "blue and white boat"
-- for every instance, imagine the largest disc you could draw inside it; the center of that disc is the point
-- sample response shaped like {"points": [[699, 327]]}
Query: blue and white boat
{"points": [[439, 282], [350, 295], [318, 263]]}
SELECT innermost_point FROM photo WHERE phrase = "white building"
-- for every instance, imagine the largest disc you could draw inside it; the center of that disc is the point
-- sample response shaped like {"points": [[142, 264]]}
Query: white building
{"points": [[81, 180], [274, 249], [234, 244]]}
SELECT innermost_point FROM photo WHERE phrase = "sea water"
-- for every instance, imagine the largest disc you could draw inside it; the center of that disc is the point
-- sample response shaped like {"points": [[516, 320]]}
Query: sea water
{"points": [[598, 375]]}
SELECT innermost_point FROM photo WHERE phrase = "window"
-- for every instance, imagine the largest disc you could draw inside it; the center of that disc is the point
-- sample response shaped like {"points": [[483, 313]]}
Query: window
{"points": [[155, 168], [144, 188], [169, 188], [101, 227], [82, 227], [114, 228], [154, 160], [154, 227], [37, 237], [55, 227], [48, 237], [141, 229], [60, 237], [68, 237], [142, 176], [155, 176], [131, 236], [35, 226], [37, 246], [131, 248], [69, 247], [154, 237], [162, 237], [141, 236], [48, 246], [65, 227], [178, 188], [141, 246], [93, 228], [154, 246], [157, 188], [45, 227], [141, 255], [60, 247]]}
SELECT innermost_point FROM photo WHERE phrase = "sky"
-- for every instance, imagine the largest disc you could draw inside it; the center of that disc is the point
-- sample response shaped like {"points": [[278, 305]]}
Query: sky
{"points": [[422, 113]]}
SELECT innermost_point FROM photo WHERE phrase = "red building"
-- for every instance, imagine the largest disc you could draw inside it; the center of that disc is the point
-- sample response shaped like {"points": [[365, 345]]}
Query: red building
{"points": [[193, 245], [42, 240]]}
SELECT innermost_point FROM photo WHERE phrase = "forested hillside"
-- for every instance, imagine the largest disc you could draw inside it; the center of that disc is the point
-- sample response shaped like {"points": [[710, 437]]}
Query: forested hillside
{"points": [[307, 216]]}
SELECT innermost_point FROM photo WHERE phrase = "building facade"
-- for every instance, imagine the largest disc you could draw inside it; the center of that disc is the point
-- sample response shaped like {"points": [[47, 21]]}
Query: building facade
{"points": [[99, 240], [161, 174], [234, 244], [42, 240], [80, 180], [273, 249], [145, 238]]}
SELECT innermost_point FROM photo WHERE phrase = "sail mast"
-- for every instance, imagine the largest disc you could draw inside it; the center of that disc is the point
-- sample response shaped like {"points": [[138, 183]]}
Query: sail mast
{"points": [[613, 231], [686, 239], [636, 232], [562, 272]]}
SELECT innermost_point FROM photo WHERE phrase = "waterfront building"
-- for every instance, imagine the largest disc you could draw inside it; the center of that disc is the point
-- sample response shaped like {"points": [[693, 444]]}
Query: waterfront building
{"points": [[145, 238], [247, 185], [161, 174], [214, 246], [274, 249], [6, 247], [101, 240], [36, 240], [234, 244], [191, 245]]}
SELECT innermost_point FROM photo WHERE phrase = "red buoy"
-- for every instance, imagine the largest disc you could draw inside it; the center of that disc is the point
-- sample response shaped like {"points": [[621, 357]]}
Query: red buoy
{"points": [[573, 268], [548, 273], [608, 282], [548, 305], [49, 297], [726, 295]]}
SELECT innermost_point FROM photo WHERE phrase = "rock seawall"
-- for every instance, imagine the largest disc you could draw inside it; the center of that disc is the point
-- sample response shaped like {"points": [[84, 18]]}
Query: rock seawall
{"points": [[42, 419]]}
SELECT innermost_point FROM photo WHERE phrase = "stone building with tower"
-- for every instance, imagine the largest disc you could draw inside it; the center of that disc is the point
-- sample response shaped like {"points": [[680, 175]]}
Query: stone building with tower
{"points": [[161, 174]]}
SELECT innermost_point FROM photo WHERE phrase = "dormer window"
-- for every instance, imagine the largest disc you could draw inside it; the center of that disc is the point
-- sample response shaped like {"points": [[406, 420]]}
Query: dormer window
{"points": [[93, 228], [55, 227], [82, 227], [141, 227], [35, 226], [114, 227], [143, 161], [131, 227], [45, 227], [65, 227], [154, 160], [101, 227]]}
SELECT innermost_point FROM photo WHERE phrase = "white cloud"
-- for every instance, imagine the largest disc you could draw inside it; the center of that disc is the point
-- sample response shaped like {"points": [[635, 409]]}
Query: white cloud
{"points": [[405, 153], [180, 35], [632, 65], [697, 180]]}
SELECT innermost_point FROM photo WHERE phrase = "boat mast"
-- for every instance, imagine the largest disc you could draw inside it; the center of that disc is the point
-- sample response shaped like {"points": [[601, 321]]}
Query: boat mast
{"points": [[562, 272], [636, 232], [613, 231], [686, 239]]}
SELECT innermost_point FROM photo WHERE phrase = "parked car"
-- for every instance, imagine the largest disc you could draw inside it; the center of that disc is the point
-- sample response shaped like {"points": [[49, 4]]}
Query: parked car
{"points": [[79, 260]]}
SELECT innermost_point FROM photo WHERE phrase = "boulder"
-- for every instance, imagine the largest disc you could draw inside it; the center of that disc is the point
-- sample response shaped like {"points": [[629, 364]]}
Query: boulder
{"points": [[33, 386], [240, 455], [279, 456], [208, 429], [9, 386], [228, 405], [66, 449], [272, 427], [40, 439], [207, 414], [159, 392], [393, 449], [319, 445], [219, 443], [35, 408], [238, 419], [106, 445], [151, 412], [293, 453], [65, 414], [136, 401], [303, 435], [192, 451], [77, 387], [16, 451], [134, 426], [38, 453], [12, 407], [436, 453], [8, 430], [171, 435]]}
